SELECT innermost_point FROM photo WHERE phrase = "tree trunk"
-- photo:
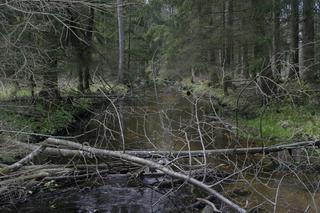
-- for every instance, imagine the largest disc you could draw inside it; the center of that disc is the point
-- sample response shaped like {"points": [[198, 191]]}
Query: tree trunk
{"points": [[294, 40], [121, 41], [261, 48], [245, 60], [308, 42], [223, 42], [50, 89], [88, 60], [276, 38], [80, 70], [129, 41], [229, 34]]}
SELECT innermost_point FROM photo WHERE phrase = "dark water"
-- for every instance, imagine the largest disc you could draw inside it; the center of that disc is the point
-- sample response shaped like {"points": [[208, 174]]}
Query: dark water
{"points": [[113, 199]]}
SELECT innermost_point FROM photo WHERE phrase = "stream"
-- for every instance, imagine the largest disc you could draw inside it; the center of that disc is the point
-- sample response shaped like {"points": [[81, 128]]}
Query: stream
{"points": [[170, 122]]}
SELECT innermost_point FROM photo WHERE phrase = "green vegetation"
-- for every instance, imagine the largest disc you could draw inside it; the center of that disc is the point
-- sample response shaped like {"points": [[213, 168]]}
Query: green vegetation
{"points": [[287, 122], [6, 92], [41, 118], [284, 120]]}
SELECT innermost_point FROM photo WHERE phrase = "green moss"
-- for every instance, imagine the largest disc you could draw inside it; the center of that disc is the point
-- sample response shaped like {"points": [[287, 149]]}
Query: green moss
{"points": [[282, 120], [4, 171], [288, 122]]}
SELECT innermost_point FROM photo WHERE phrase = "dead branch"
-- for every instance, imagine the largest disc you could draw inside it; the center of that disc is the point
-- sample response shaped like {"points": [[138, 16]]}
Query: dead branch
{"points": [[23, 161], [148, 154], [150, 164], [27, 159]]}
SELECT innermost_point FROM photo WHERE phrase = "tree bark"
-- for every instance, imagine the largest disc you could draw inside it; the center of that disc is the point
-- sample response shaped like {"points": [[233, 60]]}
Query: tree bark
{"points": [[276, 38], [308, 75], [121, 41], [294, 40], [50, 89], [245, 60], [89, 38], [229, 34], [262, 64], [80, 69]]}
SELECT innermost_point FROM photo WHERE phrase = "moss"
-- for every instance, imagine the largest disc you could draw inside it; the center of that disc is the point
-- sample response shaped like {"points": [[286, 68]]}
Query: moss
{"points": [[4, 171], [282, 120], [288, 122]]}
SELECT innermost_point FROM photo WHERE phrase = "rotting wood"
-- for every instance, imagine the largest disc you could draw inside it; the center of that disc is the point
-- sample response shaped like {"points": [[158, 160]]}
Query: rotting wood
{"points": [[150, 164]]}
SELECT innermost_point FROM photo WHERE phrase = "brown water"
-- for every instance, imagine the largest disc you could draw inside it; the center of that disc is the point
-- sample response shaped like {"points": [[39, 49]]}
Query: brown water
{"points": [[170, 122]]}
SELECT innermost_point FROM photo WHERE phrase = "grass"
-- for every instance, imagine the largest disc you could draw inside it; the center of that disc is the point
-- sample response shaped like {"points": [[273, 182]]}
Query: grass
{"points": [[7, 91], [287, 122], [279, 121]]}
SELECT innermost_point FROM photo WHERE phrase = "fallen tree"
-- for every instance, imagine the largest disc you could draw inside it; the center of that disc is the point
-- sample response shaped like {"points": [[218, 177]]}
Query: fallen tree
{"points": [[60, 150], [65, 148], [148, 163]]}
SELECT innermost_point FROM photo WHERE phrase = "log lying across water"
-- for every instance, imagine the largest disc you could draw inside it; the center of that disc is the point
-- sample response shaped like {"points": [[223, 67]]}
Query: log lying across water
{"points": [[149, 163], [148, 154], [58, 147]]}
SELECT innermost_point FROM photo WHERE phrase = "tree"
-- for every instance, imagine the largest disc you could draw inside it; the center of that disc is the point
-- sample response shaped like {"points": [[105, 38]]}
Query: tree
{"points": [[276, 38], [81, 38], [121, 41], [308, 35], [294, 39], [229, 34], [51, 49], [262, 66]]}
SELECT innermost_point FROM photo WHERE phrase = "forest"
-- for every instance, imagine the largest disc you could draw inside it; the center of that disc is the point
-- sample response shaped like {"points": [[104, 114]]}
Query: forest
{"points": [[159, 106]]}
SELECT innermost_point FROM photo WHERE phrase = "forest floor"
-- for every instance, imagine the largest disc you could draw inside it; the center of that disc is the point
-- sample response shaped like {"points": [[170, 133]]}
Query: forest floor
{"points": [[294, 115]]}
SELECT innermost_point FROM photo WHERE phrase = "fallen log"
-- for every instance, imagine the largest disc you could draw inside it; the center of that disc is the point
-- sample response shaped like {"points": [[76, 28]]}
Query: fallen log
{"points": [[154, 154], [150, 164]]}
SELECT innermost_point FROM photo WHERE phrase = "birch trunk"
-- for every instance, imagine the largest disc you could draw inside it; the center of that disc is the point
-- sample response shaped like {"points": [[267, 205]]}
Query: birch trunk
{"points": [[121, 40]]}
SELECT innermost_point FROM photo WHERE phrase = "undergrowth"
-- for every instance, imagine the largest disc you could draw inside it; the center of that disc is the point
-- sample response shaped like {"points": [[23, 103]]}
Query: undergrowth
{"points": [[43, 118]]}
